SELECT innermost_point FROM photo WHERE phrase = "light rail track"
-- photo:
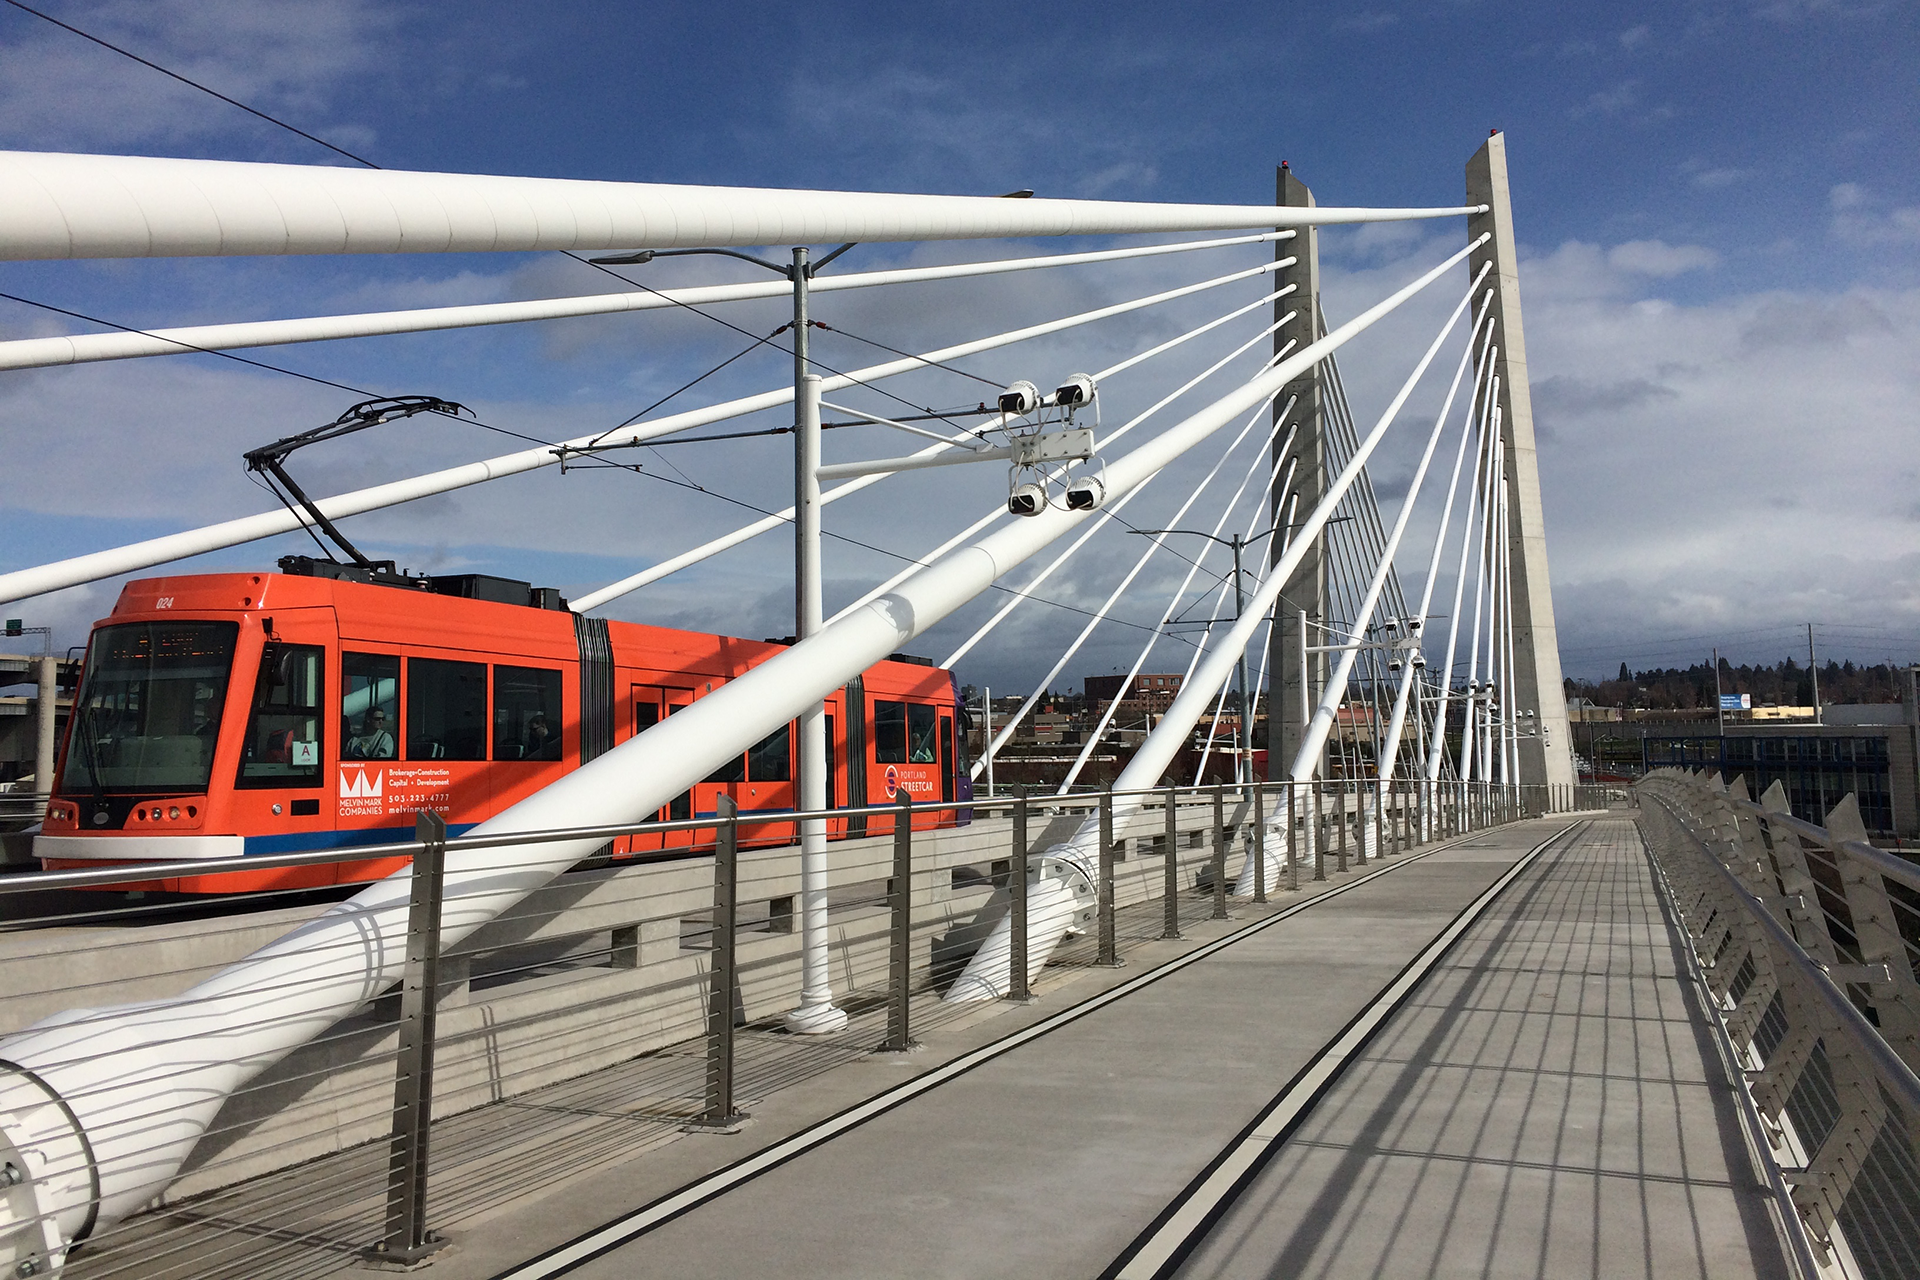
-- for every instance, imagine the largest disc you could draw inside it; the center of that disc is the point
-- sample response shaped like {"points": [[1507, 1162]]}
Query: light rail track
{"points": [[1185, 1221]]}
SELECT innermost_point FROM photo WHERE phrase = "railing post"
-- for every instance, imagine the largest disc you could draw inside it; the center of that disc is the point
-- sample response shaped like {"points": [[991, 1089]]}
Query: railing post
{"points": [[1379, 819], [407, 1238], [1293, 835], [900, 940], [1108, 952], [1219, 852], [1017, 894], [1319, 835], [1259, 845], [1343, 828], [1172, 840], [720, 1112]]}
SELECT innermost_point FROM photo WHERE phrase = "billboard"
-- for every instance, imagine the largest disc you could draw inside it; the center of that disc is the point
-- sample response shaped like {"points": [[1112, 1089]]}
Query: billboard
{"points": [[1736, 702]]}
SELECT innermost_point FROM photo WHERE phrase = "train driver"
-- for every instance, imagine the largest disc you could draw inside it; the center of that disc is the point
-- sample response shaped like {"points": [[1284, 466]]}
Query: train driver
{"points": [[373, 742]]}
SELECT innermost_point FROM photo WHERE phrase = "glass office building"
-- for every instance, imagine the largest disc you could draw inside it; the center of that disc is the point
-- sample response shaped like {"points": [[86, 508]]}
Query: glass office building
{"points": [[1817, 771]]}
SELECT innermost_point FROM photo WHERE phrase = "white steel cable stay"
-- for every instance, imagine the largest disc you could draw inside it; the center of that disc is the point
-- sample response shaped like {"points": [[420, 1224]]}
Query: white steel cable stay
{"points": [[753, 529], [154, 551], [1027, 590], [1052, 902], [1220, 603], [200, 1045], [85, 348], [1417, 627], [1436, 749], [1369, 523], [999, 511], [1313, 739], [1491, 692], [1470, 733], [65, 205], [1179, 593], [1509, 697], [1153, 546]]}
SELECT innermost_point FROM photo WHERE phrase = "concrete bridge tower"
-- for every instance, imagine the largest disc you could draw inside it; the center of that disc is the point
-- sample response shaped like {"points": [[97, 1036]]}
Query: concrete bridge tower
{"points": [[1546, 755]]}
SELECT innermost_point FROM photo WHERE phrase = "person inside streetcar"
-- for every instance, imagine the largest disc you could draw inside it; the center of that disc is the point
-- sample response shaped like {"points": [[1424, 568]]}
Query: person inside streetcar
{"points": [[373, 742]]}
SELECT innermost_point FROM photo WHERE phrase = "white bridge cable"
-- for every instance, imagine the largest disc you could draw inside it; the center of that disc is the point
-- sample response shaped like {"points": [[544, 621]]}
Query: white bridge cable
{"points": [[1369, 501], [1410, 672], [774, 520], [1469, 733], [999, 511], [63, 206], [1483, 418], [154, 551], [1315, 736], [1154, 544], [85, 348], [1179, 593], [1054, 901], [198, 1046], [1220, 603], [987, 627]]}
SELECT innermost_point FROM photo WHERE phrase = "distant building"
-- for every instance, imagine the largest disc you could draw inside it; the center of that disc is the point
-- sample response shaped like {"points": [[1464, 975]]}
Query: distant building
{"points": [[1154, 692], [1818, 765]]}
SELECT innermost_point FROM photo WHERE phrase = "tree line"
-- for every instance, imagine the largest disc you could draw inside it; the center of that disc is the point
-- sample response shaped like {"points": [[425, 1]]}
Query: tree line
{"points": [[1784, 684]]}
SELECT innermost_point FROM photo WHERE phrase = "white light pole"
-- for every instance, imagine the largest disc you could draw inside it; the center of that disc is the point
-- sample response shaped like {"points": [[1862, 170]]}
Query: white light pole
{"points": [[816, 1014]]}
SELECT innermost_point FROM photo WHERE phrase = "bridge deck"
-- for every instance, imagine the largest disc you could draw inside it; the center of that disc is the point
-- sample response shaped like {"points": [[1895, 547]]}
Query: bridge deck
{"points": [[1545, 1103]]}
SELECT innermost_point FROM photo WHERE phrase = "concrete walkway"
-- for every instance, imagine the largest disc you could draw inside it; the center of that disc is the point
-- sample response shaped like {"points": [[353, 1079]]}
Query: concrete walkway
{"points": [[1548, 1104], [1542, 1107]]}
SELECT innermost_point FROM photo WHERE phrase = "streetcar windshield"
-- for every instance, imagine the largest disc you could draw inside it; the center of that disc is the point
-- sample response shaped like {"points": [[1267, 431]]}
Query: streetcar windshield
{"points": [[148, 711]]}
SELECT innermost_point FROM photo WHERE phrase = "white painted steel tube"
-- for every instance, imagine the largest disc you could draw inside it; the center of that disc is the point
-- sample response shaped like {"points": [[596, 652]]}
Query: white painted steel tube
{"points": [[62, 205], [987, 627], [85, 348], [753, 529], [142, 1082], [1315, 737], [982, 980], [22, 583], [1409, 674], [998, 511], [1436, 751], [1386, 759], [1173, 602]]}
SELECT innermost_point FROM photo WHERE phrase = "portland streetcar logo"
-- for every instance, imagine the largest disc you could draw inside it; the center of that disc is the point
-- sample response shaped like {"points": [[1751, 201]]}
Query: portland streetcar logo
{"points": [[893, 782]]}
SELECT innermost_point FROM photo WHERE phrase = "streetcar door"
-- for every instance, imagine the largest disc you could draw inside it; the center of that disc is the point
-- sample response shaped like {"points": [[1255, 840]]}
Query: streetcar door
{"points": [[651, 703]]}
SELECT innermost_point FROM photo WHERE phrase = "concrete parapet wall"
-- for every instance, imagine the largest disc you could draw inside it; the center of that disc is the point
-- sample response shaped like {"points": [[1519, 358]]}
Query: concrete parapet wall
{"points": [[598, 968]]}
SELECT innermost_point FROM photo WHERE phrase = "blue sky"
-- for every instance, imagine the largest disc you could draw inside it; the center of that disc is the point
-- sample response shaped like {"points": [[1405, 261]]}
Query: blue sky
{"points": [[1718, 206]]}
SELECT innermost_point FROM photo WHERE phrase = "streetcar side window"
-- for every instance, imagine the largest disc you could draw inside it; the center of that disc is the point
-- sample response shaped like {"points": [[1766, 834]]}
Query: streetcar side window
{"points": [[526, 713], [890, 732], [734, 770], [282, 746], [446, 710], [770, 759], [369, 706], [923, 734]]}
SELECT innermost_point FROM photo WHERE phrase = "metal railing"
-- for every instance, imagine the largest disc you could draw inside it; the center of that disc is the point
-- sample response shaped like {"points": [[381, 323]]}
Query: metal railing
{"points": [[628, 1002], [1806, 939]]}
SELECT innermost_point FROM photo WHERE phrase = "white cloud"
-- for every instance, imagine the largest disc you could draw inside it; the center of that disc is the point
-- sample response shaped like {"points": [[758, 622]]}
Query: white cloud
{"points": [[294, 58], [1690, 453], [1863, 222], [1659, 259]]}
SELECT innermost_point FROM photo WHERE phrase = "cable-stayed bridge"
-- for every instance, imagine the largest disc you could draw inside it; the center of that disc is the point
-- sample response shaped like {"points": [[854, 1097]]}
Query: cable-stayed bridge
{"points": [[625, 885]]}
